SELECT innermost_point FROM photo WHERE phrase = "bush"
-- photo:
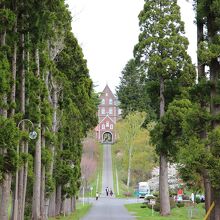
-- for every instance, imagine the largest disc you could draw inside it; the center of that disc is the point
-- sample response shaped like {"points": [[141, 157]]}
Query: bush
{"points": [[180, 204], [157, 205], [143, 206], [156, 194], [172, 193], [197, 200], [149, 197]]}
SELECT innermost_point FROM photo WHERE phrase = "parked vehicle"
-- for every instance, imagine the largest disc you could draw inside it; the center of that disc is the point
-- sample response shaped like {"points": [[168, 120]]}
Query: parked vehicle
{"points": [[143, 189]]}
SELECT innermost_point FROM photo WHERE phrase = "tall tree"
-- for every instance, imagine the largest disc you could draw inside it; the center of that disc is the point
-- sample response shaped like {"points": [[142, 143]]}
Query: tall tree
{"points": [[208, 54], [132, 92], [131, 127], [56, 96], [7, 18], [161, 52]]}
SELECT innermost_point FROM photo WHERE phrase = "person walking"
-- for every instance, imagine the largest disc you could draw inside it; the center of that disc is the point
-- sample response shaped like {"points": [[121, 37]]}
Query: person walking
{"points": [[111, 193], [107, 191], [96, 195]]}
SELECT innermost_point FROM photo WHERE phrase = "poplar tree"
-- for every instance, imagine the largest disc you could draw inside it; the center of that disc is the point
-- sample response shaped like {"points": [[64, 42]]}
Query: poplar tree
{"points": [[161, 52]]}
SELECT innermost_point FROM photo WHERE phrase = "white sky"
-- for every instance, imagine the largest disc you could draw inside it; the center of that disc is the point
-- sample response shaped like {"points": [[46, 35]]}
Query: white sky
{"points": [[107, 32]]}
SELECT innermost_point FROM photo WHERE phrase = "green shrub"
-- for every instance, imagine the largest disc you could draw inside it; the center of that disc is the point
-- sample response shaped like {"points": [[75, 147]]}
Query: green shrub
{"points": [[149, 197], [156, 194], [172, 193], [197, 200], [180, 204], [143, 206], [157, 205]]}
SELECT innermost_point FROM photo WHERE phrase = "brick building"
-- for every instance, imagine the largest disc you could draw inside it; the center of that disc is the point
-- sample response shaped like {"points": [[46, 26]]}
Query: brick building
{"points": [[108, 114]]}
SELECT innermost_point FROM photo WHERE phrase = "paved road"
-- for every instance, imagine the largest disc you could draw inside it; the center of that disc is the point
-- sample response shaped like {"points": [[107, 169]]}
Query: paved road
{"points": [[108, 208], [107, 176]]}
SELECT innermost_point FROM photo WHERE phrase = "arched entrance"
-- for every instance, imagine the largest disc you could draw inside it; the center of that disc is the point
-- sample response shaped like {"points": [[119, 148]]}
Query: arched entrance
{"points": [[107, 137]]}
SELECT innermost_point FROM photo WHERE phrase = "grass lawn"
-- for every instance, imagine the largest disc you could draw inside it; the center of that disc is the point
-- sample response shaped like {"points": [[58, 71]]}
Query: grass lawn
{"points": [[80, 212], [176, 213]]}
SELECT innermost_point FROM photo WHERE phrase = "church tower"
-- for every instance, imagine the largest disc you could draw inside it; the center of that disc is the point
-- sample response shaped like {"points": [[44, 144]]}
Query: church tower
{"points": [[108, 114]]}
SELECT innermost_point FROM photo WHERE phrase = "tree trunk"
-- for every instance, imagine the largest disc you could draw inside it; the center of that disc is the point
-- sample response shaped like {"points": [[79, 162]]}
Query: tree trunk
{"points": [[203, 135], [37, 182], [42, 203], [129, 167], [207, 187], [163, 178], [22, 110], [37, 159], [13, 93], [54, 130], [214, 107], [73, 203], [6, 187], [52, 205], [163, 187], [63, 207], [20, 186], [14, 70], [25, 180], [26, 149], [6, 183], [200, 37], [58, 200]]}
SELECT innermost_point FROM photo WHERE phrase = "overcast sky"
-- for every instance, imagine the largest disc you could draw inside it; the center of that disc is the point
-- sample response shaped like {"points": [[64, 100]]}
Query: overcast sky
{"points": [[107, 32]]}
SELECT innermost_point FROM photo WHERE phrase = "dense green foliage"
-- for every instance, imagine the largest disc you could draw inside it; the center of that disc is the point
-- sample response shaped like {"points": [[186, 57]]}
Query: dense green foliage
{"points": [[167, 74], [132, 92], [161, 51], [44, 78]]}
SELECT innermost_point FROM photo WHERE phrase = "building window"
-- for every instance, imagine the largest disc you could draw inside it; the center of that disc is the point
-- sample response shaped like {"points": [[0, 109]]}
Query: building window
{"points": [[103, 126], [107, 124], [103, 111], [103, 101], [111, 126], [110, 111], [110, 101]]}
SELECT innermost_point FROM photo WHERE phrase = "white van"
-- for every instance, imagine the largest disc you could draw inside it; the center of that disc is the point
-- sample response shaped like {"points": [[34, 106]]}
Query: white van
{"points": [[143, 189]]}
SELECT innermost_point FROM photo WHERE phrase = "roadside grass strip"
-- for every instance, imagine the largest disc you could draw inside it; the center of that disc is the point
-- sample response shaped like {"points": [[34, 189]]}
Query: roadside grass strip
{"points": [[183, 213], [77, 215]]}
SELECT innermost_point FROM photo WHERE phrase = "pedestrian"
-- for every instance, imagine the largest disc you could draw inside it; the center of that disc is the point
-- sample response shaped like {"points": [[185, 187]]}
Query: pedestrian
{"points": [[96, 195], [111, 193], [107, 191], [192, 197]]}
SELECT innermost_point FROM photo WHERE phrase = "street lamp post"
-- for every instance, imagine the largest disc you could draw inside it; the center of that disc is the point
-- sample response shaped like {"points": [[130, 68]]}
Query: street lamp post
{"points": [[32, 136]]}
